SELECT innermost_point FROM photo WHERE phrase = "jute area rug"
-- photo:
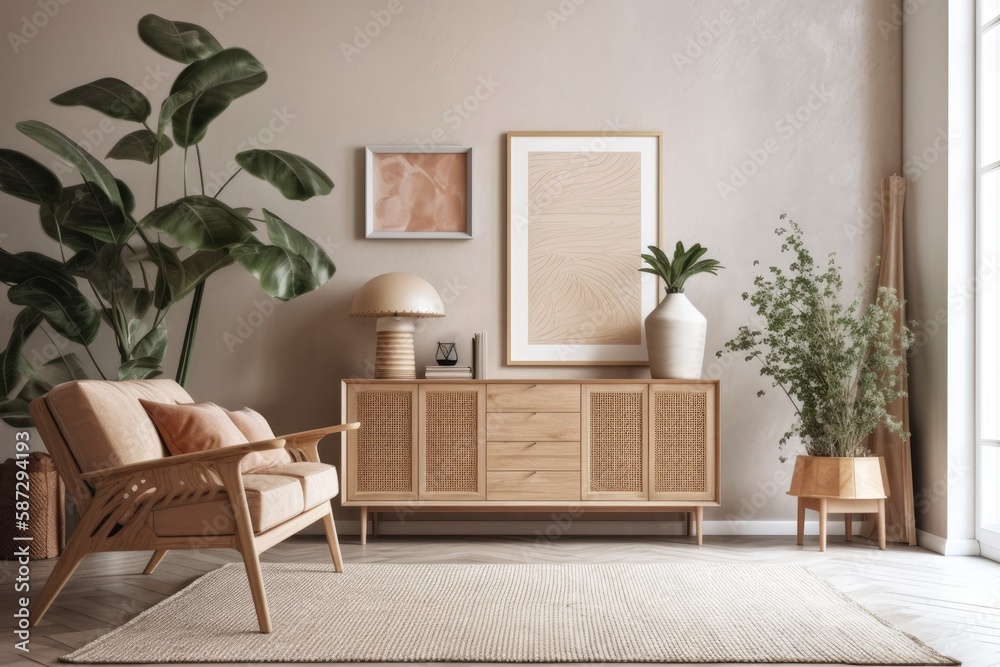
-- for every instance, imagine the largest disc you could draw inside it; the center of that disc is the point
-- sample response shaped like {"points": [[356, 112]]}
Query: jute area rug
{"points": [[514, 613]]}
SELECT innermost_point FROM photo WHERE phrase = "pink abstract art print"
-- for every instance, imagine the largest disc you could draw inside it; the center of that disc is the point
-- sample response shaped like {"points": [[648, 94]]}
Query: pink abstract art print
{"points": [[419, 192]]}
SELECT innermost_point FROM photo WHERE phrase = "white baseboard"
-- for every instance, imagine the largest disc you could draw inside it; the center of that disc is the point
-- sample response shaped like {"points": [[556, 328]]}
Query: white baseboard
{"points": [[556, 528], [948, 547], [989, 552]]}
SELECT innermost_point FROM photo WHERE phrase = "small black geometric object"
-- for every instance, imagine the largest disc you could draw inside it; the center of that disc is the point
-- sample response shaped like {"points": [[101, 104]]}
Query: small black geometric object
{"points": [[447, 355]]}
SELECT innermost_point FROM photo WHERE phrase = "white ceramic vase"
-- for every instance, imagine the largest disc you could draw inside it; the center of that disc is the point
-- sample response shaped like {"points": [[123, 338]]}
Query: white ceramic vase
{"points": [[675, 339]]}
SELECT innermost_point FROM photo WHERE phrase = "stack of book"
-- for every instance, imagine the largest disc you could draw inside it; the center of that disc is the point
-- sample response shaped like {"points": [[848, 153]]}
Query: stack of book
{"points": [[479, 355], [448, 372]]}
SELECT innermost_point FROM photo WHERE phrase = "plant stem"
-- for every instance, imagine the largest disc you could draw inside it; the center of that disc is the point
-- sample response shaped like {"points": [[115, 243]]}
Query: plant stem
{"points": [[156, 187], [201, 174], [185, 170], [235, 173], [189, 334]]}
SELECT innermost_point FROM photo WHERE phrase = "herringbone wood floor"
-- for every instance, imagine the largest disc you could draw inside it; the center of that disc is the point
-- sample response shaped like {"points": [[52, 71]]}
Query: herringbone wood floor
{"points": [[953, 604]]}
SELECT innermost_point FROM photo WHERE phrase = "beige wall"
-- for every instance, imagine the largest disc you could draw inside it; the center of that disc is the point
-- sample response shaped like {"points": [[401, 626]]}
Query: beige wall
{"points": [[535, 65]]}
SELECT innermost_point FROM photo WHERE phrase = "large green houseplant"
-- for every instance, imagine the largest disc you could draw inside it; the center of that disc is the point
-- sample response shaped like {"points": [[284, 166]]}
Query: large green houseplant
{"points": [[126, 270], [840, 364]]}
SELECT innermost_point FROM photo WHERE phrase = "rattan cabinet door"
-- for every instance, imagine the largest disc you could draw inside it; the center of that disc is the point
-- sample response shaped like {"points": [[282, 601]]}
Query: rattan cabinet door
{"points": [[452, 441], [683, 442], [614, 448], [382, 454]]}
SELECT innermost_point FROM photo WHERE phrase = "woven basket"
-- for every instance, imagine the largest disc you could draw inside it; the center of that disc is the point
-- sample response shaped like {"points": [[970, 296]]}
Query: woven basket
{"points": [[47, 501]]}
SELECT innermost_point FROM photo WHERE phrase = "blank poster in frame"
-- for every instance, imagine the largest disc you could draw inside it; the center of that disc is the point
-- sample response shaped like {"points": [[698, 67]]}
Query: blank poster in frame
{"points": [[418, 192], [581, 208]]}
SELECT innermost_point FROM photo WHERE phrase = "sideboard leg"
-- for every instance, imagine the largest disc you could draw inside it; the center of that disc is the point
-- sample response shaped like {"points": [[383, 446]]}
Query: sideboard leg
{"points": [[699, 513], [849, 527], [688, 520], [364, 525], [822, 524]]}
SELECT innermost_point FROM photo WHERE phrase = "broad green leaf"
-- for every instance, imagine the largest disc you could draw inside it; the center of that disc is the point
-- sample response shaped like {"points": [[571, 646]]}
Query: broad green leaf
{"points": [[153, 345], [285, 236], [73, 154], [142, 299], [200, 223], [213, 84], [63, 369], [282, 274], [141, 145], [76, 241], [135, 330], [14, 412], [169, 274], [11, 361], [140, 369], [26, 178], [32, 390], [294, 176], [183, 42], [62, 306], [200, 266], [22, 266], [112, 97], [86, 209]]}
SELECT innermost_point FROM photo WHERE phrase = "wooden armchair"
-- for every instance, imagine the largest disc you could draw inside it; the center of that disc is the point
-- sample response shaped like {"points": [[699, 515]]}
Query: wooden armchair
{"points": [[132, 496]]}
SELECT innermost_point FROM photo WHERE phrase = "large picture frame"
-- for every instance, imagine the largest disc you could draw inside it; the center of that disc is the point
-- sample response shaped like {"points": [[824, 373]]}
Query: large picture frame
{"points": [[418, 192], [581, 208]]}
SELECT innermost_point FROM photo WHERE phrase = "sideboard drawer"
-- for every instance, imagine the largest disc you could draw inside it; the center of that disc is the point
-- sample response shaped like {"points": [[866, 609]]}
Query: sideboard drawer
{"points": [[533, 456], [532, 426], [533, 485], [533, 397]]}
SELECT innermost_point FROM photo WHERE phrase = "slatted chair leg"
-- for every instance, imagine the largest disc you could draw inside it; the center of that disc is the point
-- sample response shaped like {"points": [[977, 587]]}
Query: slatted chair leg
{"points": [[233, 480], [63, 570], [154, 561], [331, 539]]}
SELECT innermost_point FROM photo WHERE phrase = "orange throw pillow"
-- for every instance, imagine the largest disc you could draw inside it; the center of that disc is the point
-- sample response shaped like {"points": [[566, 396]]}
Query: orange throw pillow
{"points": [[198, 427], [253, 425]]}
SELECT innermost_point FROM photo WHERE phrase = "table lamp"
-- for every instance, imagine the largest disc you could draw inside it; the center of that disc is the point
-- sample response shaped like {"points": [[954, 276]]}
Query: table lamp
{"points": [[396, 299]]}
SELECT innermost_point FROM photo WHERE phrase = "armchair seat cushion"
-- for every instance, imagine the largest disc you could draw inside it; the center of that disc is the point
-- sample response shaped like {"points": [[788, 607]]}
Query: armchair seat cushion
{"points": [[319, 480], [272, 499], [274, 495]]}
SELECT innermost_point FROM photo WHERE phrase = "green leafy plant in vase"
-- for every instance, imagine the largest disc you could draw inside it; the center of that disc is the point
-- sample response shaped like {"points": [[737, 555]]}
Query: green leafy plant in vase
{"points": [[840, 364], [124, 270], [675, 329]]}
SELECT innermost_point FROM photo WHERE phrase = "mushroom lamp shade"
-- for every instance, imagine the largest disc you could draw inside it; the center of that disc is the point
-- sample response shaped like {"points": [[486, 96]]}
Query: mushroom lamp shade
{"points": [[396, 299]]}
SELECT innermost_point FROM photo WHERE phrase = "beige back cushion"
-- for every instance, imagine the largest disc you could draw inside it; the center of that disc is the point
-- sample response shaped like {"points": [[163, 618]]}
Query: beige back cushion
{"points": [[105, 425]]}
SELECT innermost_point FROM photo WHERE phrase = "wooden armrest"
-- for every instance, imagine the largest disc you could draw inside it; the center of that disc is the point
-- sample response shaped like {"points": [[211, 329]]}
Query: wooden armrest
{"points": [[317, 433], [220, 455]]}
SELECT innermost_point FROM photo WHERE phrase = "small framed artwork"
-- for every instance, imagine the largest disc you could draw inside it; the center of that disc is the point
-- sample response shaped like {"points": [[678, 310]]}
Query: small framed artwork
{"points": [[418, 192], [581, 207]]}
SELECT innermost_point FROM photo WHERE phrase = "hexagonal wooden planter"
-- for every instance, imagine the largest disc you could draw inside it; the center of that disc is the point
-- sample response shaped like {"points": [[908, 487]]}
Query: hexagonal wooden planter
{"points": [[840, 485]]}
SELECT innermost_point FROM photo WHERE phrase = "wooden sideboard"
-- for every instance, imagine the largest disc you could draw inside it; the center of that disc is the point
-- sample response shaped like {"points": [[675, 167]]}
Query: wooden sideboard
{"points": [[531, 445]]}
